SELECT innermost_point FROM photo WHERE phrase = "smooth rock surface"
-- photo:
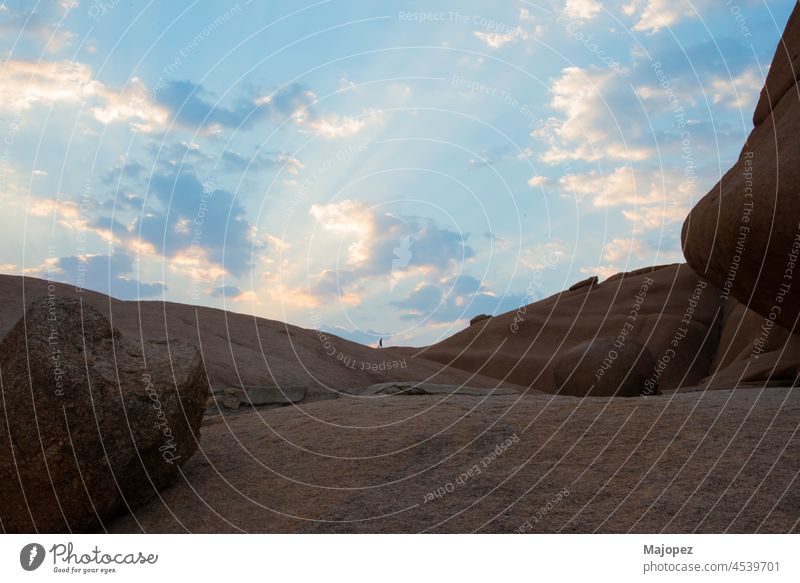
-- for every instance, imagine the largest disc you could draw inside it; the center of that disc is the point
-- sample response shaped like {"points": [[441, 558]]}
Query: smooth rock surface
{"points": [[242, 350], [89, 424], [719, 461], [671, 310], [605, 367]]}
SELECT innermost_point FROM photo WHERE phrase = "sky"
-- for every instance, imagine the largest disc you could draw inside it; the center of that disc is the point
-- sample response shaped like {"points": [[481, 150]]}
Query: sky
{"points": [[374, 169]]}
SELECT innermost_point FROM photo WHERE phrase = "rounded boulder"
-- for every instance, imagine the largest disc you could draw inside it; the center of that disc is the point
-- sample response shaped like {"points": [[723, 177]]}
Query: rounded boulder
{"points": [[605, 367]]}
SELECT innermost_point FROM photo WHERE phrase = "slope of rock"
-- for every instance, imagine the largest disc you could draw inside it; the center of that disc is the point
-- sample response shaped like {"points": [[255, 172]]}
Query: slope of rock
{"points": [[668, 309], [242, 351]]}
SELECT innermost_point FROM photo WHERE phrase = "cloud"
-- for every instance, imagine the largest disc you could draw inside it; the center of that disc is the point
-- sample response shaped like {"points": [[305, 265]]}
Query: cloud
{"points": [[625, 253], [654, 15], [619, 249], [26, 84], [536, 181], [740, 92], [497, 40], [382, 245], [39, 23], [185, 215], [453, 299], [334, 126], [581, 9], [656, 199], [617, 188], [108, 274], [193, 106], [600, 119], [655, 218], [133, 103]]}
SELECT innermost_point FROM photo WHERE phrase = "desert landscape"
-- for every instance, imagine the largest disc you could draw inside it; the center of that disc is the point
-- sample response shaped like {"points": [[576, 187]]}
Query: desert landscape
{"points": [[658, 400]]}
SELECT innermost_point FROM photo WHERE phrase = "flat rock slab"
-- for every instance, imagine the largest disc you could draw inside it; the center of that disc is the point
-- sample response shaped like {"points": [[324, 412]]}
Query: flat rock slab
{"points": [[234, 397], [718, 461]]}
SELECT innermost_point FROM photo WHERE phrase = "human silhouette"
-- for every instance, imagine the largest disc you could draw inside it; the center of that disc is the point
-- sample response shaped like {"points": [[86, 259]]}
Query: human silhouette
{"points": [[380, 343]]}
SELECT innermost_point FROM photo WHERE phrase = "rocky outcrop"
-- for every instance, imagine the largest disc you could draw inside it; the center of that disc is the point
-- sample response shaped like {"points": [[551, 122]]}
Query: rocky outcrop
{"points": [[91, 424], [479, 318], [744, 235], [668, 309], [235, 397], [588, 282], [605, 367]]}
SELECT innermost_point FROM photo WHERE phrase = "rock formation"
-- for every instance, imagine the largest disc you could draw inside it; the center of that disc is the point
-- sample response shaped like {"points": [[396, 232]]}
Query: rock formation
{"points": [[90, 425], [589, 281], [744, 235], [668, 309], [479, 318], [605, 367]]}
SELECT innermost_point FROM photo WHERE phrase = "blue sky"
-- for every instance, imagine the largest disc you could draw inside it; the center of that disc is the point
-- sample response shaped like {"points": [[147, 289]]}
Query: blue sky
{"points": [[378, 169]]}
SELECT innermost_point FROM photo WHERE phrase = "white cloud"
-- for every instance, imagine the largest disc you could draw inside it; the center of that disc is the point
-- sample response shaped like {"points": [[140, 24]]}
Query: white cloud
{"points": [[27, 84], [133, 103], [656, 200], [595, 123], [334, 126], [581, 9], [543, 256], [623, 249], [496, 40], [536, 181], [738, 93], [653, 15], [655, 218], [620, 187]]}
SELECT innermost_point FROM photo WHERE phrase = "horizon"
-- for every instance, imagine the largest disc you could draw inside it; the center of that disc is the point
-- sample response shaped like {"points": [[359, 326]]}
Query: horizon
{"points": [[368, 193]]}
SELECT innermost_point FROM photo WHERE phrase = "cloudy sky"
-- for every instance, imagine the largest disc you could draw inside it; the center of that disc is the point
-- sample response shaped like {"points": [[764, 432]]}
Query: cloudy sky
{"points": [[379, 169]]}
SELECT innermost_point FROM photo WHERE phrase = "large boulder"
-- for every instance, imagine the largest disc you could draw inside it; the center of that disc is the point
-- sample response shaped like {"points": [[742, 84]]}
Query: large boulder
{"points": [[90, 423], [606, 367], [744, 235]]}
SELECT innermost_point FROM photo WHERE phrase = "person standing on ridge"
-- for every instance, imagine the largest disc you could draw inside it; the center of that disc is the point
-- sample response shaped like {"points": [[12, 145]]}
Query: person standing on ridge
{"points": [[380, 343]]}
